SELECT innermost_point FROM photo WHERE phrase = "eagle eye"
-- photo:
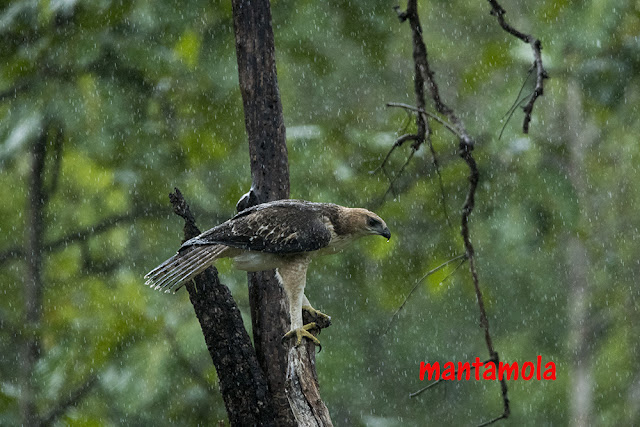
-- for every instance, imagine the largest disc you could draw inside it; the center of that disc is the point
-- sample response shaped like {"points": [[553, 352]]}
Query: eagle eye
{"points": [[372, 222]]}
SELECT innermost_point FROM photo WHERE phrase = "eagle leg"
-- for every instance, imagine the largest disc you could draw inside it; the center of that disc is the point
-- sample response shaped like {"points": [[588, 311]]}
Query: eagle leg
{"points": [[303, 332], [292, 276], [320, 319]]}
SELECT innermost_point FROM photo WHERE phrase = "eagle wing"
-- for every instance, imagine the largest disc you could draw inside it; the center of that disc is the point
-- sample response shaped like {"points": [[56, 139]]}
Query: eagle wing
{"points": [[281, 227]]}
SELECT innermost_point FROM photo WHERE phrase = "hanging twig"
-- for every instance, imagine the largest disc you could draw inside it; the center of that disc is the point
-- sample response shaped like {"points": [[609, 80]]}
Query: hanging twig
{"points": [[399, 174], [420, 280], [436, 166], [398, 142], [438, 119], [515, 104]]}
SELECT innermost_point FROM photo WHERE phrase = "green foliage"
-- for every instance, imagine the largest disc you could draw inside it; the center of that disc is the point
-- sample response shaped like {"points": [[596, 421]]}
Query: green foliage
{"points": [[146, 96]]}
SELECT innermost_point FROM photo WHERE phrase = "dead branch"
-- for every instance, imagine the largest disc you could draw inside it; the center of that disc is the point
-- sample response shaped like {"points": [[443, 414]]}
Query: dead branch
{"points": [[303, 389], [244, 391], [536, 47], [421, 117], [438, 119], [465, 147]]}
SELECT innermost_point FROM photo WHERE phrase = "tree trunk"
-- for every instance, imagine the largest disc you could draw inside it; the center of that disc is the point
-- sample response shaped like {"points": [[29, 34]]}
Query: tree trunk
{"points": [[264, 122], [579, 138], [33, 281]]}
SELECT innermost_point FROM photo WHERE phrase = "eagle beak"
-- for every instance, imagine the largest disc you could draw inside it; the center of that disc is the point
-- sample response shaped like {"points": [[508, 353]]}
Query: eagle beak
{"points": [[386, 233]]}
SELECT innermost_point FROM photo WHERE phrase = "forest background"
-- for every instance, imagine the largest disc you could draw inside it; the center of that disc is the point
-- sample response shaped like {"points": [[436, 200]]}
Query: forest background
{"points": [[134, 98]]}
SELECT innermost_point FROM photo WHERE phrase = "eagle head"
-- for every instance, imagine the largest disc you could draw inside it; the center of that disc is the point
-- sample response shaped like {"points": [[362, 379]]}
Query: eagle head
{"points": [[365, 222]]}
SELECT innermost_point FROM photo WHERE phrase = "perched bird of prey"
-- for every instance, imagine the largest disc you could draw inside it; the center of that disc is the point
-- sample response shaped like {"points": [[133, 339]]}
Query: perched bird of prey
{"points": [[285, 235]]}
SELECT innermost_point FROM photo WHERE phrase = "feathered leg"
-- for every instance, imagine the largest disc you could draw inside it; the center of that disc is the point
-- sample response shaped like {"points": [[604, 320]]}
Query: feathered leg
{"points": [[293, 277]]}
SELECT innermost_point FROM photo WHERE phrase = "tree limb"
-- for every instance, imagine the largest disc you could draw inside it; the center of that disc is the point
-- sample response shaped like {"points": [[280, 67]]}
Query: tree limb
{"points": [[84, 233], [72, 399], [536, 47], [242, 383], [465, 147]]}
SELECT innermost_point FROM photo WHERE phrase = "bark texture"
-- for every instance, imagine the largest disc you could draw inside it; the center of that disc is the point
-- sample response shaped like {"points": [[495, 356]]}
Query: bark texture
{"points": [[242, 382], [255, 49]]}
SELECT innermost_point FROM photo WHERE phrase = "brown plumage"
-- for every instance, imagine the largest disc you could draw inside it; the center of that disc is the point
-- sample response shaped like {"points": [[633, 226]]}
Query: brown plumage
{"points": [[285, 235]]}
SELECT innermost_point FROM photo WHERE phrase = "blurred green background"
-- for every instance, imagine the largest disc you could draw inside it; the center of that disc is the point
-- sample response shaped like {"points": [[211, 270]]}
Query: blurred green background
{"points": [[145, 96]]}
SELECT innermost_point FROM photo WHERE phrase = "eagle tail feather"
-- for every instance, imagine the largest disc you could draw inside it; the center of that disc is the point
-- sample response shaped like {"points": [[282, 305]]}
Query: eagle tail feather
{"points": [[182, 267], [188, 269], [181, 263]]}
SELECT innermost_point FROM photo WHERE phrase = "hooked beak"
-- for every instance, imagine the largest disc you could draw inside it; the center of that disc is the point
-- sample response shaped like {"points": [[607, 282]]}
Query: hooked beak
{"points": [[386, 233]]}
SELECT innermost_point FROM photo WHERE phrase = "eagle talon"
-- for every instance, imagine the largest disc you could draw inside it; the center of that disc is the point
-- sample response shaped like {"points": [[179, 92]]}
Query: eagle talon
{"points": [[303, 332], [320, 319]]}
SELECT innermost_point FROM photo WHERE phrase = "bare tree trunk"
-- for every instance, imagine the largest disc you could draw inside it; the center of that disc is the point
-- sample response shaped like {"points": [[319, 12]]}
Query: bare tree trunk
{"points": [[264, 121], [33, 281], [581, 392], [270, 181]]}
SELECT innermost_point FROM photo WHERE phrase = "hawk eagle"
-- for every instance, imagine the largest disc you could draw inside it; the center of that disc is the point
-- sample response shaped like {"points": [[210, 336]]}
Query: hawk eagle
{"points": [[284, 235]]}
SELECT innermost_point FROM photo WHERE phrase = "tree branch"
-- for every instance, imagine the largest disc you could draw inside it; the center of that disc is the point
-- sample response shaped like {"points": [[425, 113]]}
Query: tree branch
{"points": [[398, 143], [536, 47], [242, 383], [420, 280], [467, 209], [73, 399], [466, 146], [421, 57], [84, 233], [443, 122]]}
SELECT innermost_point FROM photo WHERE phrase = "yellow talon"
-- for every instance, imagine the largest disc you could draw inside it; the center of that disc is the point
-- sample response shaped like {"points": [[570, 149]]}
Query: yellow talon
{"points": [[303, 332], [320, 319]]}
